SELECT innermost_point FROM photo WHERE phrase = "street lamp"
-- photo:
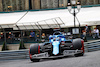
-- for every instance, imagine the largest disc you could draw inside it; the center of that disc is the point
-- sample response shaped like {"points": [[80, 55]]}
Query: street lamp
{"points": [[74, 7]]}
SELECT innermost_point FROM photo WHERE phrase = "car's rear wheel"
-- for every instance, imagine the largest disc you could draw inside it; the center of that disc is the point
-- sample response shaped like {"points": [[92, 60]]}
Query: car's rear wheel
{"points": [[78, 44]]}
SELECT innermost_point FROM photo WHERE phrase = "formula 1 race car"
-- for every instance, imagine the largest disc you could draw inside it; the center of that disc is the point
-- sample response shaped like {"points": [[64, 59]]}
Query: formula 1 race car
{"points": [[57, 47]]}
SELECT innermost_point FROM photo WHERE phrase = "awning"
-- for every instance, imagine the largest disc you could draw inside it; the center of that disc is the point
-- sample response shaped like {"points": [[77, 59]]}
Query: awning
{"points": [[44, 24], [87, 16], [7, 20], [51, 18]]}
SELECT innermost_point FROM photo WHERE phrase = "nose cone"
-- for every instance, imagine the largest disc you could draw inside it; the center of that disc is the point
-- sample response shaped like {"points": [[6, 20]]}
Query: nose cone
{"points": [[56, 47]]}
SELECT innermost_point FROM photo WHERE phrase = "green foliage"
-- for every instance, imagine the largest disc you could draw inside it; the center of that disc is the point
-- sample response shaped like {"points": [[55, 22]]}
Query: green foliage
{"points": [[4, 47], [22, 45]]}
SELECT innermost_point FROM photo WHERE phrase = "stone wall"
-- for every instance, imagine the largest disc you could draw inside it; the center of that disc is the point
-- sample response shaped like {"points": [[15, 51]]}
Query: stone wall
{"points": [[16, 46], [26, 4], [65, 3], [89, 2], [13, 46], [14, 5], [38, 4], [35, 4], [55, 3], [96, 1], [83, 2], [43, 4], [1, 5], [49, 3]]}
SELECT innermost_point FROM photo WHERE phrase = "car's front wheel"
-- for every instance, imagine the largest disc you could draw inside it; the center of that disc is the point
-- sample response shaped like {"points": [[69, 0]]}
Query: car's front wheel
{"points": [[34, 49]]}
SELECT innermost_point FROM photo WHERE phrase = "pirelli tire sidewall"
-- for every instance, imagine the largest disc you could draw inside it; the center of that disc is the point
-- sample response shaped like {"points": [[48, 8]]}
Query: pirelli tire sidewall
{"points": [[77, 44], [34, 49]]}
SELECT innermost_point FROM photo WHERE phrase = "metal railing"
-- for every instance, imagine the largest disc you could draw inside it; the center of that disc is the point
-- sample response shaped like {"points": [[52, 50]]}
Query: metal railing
{"points": [[19, 54], [92, 46]]}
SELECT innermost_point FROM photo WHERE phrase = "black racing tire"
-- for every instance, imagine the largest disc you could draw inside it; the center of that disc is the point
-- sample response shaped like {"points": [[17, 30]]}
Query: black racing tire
{"points": [[34, 50], [77, 44]]}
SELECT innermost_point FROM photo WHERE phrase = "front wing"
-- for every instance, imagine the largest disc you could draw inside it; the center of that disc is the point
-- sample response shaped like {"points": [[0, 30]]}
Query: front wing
{"points": [[47, 56]]}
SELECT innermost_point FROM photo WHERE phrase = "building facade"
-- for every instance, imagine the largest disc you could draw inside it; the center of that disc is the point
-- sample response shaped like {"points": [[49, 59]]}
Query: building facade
{"points": [[17, 5]]}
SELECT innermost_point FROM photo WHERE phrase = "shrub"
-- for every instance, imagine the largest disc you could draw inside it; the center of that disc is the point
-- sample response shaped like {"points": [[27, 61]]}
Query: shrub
{"points": [[22, 45], [4, 47]]}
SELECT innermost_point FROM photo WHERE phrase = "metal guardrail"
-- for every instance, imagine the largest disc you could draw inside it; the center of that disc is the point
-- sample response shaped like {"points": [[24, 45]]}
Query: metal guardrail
{"points": [[24, 54], [19, 54], [92, 46]]}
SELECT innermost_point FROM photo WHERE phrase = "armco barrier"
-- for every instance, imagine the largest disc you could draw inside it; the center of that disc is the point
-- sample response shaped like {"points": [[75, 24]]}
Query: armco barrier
{"points": [[24, 54], [19, 54], [92, 45]]}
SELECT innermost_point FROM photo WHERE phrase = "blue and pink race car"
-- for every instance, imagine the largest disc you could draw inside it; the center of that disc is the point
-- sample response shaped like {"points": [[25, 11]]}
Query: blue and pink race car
{"points": [[57, 47]]}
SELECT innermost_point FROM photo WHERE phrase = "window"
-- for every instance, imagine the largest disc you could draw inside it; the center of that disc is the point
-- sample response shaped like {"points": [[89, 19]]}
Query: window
{"points": [[49, 4], [61, 3], [13, 5], [99, 1], [43, 4]]}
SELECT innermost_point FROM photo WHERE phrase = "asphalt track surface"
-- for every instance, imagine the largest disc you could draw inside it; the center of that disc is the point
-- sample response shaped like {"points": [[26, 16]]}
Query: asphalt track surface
{"points": [[91, 59]]}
